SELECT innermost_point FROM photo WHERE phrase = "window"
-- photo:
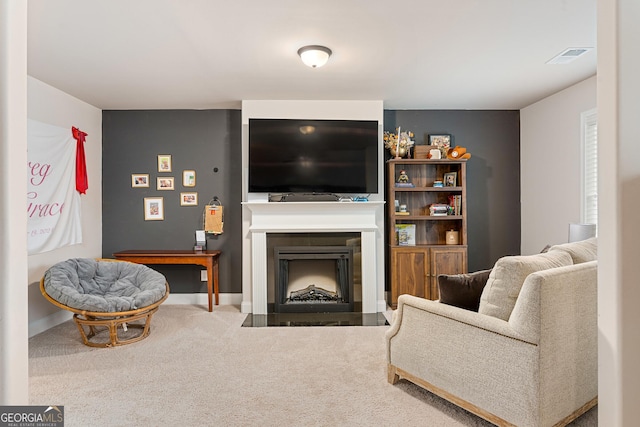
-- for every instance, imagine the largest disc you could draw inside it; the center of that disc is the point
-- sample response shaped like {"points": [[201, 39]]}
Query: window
{"points": [[589, 209]]}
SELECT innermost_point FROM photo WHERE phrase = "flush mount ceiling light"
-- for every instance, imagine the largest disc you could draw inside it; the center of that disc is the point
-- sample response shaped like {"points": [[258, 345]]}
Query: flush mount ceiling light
{"points": [[314, 56]]}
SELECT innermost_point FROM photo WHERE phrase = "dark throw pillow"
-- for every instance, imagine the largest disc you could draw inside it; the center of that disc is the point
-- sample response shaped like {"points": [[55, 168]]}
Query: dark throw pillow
{"points": [[462, 290]]}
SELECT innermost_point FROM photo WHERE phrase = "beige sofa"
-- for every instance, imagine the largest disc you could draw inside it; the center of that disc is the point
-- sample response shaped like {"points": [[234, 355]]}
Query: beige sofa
{"points": [[528, 357]]}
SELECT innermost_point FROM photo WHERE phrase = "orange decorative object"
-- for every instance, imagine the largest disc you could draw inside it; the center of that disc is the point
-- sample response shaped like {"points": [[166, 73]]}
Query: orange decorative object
{"points": [[458, 153]]}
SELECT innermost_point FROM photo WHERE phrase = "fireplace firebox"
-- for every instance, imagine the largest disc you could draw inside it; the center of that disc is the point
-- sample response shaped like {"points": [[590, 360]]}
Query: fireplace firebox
{"points": [[313, 279]]}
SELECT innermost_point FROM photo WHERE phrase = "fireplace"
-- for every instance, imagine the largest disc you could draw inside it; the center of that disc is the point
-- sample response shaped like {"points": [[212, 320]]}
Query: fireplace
{"points": [[314, 279], [266, 218]]}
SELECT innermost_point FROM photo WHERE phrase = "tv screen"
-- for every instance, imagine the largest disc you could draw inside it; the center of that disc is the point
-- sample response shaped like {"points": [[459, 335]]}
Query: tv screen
{"points": [[313, 156]]}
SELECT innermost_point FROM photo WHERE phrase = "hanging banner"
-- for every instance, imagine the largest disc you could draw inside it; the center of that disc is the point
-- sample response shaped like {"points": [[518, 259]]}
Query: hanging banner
{"points": [[53, 204]]}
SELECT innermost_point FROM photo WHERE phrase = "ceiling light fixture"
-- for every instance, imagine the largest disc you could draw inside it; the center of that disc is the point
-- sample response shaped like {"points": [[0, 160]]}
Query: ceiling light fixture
{"points": [[314, 56]]}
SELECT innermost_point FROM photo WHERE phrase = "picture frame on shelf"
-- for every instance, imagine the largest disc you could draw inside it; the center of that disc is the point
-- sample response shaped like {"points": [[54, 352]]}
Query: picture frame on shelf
{"points": [[164, 162], [189, 199], [440, 140], [165, 183], [188, 178], [154, 208], [139, 180], [406, 234], [450, 179]]}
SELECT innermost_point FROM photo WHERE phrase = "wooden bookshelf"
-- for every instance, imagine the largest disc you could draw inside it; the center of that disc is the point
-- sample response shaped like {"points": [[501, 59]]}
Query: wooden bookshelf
{"points": [[414, 269]]}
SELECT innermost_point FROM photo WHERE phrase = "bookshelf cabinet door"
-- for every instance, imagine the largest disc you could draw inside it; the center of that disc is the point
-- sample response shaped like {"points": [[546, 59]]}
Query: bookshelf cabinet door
{"points": [[409, 274], [446, 260]]}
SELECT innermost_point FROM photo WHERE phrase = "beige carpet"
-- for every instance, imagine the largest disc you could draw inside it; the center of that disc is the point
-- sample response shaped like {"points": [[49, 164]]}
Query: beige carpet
{"points": [[203, 369]]}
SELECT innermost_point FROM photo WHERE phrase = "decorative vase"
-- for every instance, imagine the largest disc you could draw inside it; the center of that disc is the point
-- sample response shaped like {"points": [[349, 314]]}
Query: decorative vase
{"points": [[402, 152]]}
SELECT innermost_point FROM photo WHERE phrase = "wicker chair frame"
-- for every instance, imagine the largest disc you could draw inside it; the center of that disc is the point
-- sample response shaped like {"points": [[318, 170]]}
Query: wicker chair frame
{"points": [[111, 320]]}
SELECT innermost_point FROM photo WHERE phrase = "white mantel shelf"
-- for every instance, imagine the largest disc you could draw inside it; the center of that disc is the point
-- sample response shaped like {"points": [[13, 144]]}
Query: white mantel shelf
{"points": [[313, 216], [317, 217]]}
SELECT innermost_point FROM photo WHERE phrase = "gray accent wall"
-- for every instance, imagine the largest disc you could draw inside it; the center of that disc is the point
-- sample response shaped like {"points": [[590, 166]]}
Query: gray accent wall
{"points": [[208, 139], [493, 173], [204, 141]]}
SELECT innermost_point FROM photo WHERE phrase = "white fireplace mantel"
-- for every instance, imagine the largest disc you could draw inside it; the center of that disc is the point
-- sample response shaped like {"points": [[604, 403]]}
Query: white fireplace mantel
{"points": [[315, 217]]}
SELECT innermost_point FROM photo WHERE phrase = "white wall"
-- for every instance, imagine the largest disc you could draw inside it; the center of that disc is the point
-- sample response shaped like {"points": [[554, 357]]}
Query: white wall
{"points": [[550, 163], [14, 349], [50, 105]]}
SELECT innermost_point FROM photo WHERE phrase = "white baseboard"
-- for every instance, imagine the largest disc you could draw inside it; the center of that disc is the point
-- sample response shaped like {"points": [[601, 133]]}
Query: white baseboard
{"points": [[41, 325], [202, 298], [246, 307]]}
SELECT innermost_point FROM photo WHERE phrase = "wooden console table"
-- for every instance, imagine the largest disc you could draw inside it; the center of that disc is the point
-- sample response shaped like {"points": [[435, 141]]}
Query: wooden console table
{"points": [[207, 259]]}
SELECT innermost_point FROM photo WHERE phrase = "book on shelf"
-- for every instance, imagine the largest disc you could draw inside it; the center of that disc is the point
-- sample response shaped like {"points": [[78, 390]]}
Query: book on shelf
{"points": [[405, 184], [455, 204], [403, 213], [439, 209], [406, 234]]}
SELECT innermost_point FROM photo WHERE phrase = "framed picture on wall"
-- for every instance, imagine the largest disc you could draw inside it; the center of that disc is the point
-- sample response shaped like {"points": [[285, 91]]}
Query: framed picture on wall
{"points": [[165, 183], [139, 180], [153, 208], [189, 199], [189, 178], [164, 163]]}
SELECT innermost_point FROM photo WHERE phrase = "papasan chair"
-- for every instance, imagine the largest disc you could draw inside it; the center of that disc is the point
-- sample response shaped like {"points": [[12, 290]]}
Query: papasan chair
{"points": [[106, 293]]}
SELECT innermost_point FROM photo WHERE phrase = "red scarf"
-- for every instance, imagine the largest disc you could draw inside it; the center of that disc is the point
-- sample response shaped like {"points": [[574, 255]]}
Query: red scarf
{"points": [[82, 183]]}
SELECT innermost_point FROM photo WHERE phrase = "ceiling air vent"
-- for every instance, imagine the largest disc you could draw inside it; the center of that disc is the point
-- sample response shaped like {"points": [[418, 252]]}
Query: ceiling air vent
{"points": [[569, 55]]}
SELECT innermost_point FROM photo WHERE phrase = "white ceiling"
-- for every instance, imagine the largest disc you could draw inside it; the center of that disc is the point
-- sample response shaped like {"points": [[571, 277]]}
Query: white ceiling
{"points": [[412, 54]]}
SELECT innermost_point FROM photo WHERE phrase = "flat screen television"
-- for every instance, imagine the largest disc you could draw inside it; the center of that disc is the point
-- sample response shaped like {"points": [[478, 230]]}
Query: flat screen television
{"points": [[313, 156]]}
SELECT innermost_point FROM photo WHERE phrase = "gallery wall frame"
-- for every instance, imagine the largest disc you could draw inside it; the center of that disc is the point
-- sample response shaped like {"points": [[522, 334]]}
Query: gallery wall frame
{"points": [[164, 163], [188, 178], [189, 199], [165, 183], [139, 180], [154, 208]]}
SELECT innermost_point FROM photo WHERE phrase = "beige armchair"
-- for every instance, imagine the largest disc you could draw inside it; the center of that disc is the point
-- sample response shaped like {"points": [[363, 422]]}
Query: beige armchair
{"points": [[536, 368]]}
